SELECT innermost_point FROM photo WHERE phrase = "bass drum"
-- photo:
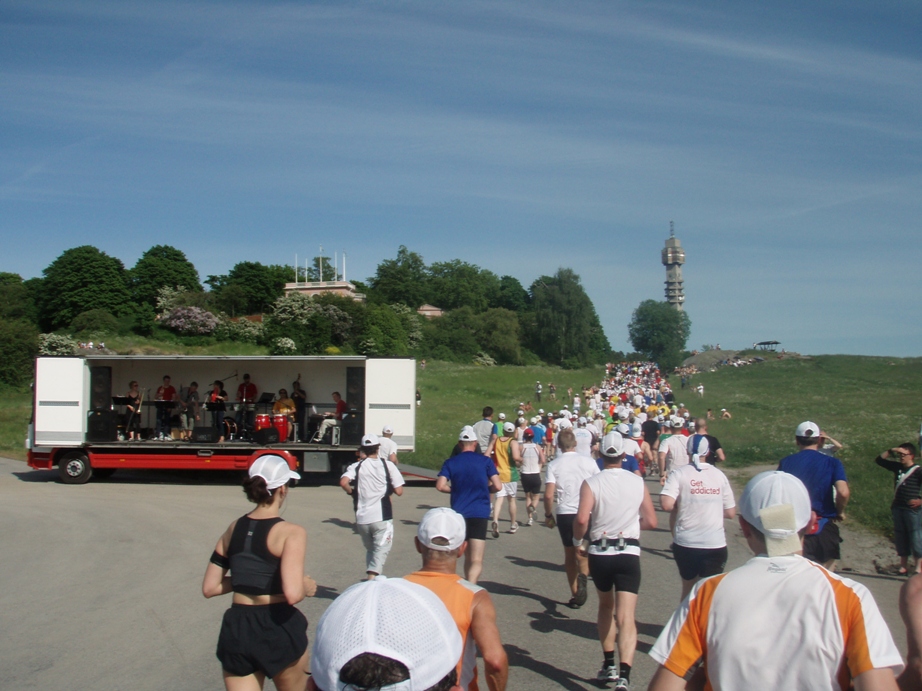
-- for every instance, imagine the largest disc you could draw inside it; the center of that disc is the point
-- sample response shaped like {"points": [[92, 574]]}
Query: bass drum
{"points": [[230, 428]]}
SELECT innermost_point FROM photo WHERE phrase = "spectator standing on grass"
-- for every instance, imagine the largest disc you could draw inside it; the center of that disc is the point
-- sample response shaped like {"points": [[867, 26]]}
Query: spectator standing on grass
{"points": [[778, 621], [440, 541], [614, 506], [824, 478], [371, 481], [538, 389], [565, 475], [469, 478], [698, 498], [906, 507]]}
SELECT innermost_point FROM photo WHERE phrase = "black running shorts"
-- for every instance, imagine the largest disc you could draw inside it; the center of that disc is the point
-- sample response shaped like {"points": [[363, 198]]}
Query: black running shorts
{"points": [[531, 483], [261, 638], [696, 562], [824, 546], [476, 528], [618, 571]]}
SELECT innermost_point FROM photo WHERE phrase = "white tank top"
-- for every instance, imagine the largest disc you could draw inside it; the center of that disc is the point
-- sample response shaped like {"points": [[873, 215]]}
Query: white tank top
{"points": [[618, 495], [531, 463]]}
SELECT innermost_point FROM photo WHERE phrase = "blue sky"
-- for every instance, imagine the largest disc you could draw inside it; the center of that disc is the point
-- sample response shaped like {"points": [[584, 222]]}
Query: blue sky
{"points": [[783, 139]]}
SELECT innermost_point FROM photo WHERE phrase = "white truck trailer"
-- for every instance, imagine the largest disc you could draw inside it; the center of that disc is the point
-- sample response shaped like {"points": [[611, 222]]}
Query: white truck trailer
{"points": [[78, 420]]}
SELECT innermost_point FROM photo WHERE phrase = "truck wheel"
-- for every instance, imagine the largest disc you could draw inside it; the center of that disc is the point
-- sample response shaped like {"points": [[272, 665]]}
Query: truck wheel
{"points": [[74, 468]]}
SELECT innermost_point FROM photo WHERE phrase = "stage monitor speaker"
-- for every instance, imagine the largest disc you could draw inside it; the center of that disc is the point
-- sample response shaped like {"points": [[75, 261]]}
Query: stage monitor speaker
{"points": [[100, 388], [205, 435], [352, 427], [102, 425], [270, 435]]}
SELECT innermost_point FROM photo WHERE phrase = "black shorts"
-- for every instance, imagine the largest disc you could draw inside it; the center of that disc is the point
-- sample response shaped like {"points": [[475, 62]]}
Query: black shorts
{"points": [[261, 638], [531, 483], [476, 528], [696, 562], [824, 546], [565, 528], [618, 571]]}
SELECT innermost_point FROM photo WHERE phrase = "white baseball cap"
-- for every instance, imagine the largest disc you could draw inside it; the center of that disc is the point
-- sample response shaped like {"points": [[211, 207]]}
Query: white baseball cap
{"points": [[370, 440], [623, 428], [540, 411], [777, 505], [612, 445], [387, 430], [274, 470], [807, 429], [582, 421], [393, 618], [508, 427], [445, 523], [467, 434], [502, 416], [533, 421], [636, 430]]}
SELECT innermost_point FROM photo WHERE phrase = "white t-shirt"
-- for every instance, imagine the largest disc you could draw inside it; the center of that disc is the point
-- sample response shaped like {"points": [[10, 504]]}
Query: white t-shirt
{"points": [[675, 450], [631, 447], [583, 441], [701, 498], [567, 473], [778, 623], [531, 461], [618, 495], [372, 487], [388, 446]]}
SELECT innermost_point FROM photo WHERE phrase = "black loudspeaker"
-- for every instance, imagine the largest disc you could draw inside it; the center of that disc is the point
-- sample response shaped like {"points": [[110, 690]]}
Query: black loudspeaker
{"points": [[102, 426], [270, 435], [205, 435], [100, 388], [351, 429]]}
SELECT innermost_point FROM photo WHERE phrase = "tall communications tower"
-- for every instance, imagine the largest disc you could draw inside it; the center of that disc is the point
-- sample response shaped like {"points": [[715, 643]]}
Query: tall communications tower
{"points": [[673, 258]]}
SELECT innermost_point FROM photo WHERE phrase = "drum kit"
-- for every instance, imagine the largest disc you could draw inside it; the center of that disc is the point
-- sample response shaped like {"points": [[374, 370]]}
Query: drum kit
{"points": [[232, 430]]}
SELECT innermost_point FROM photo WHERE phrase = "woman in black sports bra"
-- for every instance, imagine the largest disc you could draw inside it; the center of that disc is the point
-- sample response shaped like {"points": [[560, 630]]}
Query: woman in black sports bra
{"points": [[263, 634]]}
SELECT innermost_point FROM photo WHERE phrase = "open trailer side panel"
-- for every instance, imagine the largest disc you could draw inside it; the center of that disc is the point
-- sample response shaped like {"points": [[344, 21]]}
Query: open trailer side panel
{"points": [[390, 399], [61, 402]]}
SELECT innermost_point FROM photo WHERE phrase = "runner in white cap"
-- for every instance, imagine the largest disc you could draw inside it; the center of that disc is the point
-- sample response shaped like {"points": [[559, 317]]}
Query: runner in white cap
{"points": [[253, 549], [385, 635], [741, 625], [388, 449], [371, 481], [440, 539]]}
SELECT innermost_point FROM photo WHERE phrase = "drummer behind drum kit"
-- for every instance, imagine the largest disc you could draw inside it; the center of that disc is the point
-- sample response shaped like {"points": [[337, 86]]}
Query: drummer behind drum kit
{"points": [[260, 434]]}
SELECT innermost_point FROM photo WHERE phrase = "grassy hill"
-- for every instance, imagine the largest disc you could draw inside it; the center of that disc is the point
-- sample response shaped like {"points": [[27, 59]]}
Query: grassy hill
{"points": [[868, 404]]}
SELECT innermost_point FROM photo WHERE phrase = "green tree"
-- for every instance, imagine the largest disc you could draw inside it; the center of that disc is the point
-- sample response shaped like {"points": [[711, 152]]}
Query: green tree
{"points": [[17, 297], [313, 273], [404, 279], [81, 279], [567, 330], [161, 266], [497, 332], [384, 332], [660, 332], [94, 321], [18, 348], [456, 284], [451, 337], [259, 284], [511, 295]]}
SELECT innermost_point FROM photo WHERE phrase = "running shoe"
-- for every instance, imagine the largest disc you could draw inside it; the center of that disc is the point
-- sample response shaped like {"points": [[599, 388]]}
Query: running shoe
{"points": [[582, 592], [621, 684], [513, 527], [531, 520], [495, 529], [608, 673]]}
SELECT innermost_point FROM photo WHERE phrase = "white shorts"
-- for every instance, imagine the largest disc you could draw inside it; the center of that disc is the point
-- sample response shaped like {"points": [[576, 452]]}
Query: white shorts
{"points": [[509, 489]]}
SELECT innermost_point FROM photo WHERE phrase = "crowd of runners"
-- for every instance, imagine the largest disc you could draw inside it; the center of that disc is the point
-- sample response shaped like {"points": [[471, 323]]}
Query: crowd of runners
{"points": [[784, 619]]}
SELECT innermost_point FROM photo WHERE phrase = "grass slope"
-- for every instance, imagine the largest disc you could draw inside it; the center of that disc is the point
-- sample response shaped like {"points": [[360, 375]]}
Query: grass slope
{"points": [[867, 403]]}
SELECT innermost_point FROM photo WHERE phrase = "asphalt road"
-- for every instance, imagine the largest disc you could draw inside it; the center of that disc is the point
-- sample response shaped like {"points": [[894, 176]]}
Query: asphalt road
{"points": [[102, 581]]}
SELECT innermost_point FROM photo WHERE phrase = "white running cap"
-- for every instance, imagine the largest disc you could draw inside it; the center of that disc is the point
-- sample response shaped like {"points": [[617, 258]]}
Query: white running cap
{"points": [[387, 430], [467, 434], [807, 429], [623, 428], [508, 427], [274, 470], [393, 618], [370, 440], [777, 505], [612, 445], [445, 523], [502, 416]]}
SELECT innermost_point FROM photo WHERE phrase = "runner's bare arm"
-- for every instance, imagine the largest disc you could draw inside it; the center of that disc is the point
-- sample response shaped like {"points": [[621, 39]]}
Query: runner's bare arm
{"points": [[664, 680], [647, 512], [486, 636], [441, 484]]}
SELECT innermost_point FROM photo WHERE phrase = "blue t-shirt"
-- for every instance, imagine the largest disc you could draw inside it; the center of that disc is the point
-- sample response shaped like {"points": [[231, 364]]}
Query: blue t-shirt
{"points": [[629, 463], [538, 431], [469, 474], [819, 473]]}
